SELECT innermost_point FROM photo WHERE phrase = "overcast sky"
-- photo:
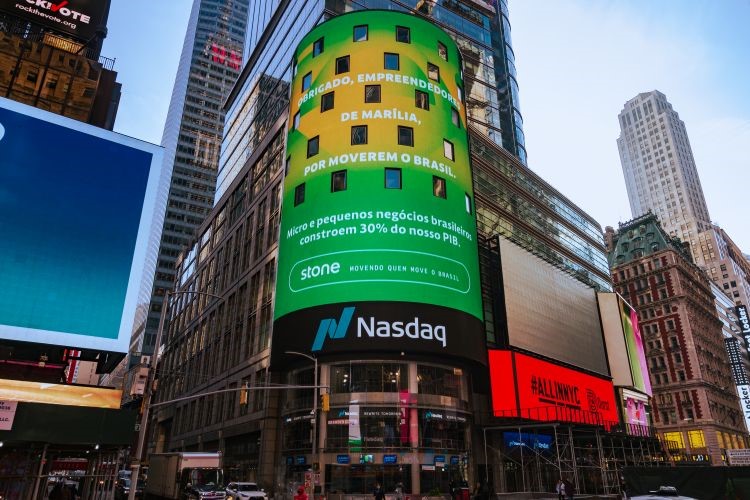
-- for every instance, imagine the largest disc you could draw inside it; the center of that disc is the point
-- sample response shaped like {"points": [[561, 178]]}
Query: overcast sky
{"points": [[578, 62]]}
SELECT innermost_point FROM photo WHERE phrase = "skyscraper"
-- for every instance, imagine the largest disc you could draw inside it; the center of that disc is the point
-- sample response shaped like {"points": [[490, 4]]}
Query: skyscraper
{"points": [[211, 60], [381, 95], [659, 168], [661, 177], [480, 30]]}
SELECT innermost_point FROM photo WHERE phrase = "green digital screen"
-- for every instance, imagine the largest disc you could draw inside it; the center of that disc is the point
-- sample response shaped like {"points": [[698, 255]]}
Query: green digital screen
{"points": [[378, 202]]}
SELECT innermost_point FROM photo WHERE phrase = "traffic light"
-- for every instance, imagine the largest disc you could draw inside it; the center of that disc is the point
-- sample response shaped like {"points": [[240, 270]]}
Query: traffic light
{"points": [[325, 402], [244, 393]]}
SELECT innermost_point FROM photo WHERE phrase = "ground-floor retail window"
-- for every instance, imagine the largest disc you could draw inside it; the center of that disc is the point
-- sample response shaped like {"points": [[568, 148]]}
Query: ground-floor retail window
{"points": [[361, 478], [437, 479]]}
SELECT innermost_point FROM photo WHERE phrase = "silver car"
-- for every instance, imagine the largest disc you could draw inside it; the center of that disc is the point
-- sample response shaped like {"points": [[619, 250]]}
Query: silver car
{"points": [[241, 491], [663, 492]]}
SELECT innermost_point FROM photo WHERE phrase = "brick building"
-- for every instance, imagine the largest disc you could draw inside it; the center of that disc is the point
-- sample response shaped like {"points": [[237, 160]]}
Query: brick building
{"points": [[695, 406]]}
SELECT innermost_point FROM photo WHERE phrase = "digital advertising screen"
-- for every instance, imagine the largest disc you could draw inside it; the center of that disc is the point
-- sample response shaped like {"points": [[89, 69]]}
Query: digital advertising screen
{"points": [[79, 18], [59, 394], [636, 417], [538, 442], [634, 343], [378, 245], [77, 205], [528, 387], [549, 312]]}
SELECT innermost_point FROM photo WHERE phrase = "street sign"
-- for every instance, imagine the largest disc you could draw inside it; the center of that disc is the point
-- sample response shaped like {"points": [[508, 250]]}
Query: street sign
{"points": [[738, 457]]}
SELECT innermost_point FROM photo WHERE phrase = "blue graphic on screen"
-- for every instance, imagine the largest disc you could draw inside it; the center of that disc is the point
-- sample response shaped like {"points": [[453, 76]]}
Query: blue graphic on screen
{"points": [[541, 442], [70, 208]]}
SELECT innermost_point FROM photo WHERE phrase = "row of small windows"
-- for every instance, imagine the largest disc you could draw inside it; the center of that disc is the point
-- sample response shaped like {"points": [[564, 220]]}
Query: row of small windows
{"points": [[405, 137], [360, 33], [372, 95], [391, 61], [392, 180]]}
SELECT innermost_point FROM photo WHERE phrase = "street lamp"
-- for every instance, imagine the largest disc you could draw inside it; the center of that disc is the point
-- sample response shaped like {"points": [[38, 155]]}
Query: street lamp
{"points": [[135, 465], [315, 450]]}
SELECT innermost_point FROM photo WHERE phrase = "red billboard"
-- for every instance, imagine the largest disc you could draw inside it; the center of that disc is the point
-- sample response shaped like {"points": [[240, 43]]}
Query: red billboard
{"points": [[527, 387]]}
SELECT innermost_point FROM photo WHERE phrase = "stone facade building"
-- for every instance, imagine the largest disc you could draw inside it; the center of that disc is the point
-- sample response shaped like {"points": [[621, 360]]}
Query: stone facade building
{"points": [[695, 406]]}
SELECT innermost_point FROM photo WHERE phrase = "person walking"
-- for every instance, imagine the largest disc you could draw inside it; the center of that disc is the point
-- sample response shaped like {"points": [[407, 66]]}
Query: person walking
{"points": [[379, 493], [301, 494], [560, 489], [399, 491]]}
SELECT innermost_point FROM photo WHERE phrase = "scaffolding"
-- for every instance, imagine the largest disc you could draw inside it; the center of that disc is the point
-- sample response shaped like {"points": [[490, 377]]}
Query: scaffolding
{"points": [[590, 457]]}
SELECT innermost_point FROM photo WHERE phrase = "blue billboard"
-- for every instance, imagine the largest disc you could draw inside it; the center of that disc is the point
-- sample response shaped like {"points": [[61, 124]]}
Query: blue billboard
{"points": [[540, 442], [77, 218]]}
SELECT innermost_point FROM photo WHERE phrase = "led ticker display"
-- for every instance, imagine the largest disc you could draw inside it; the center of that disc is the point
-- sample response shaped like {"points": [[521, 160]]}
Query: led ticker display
{"points": [[528, 387], [77, 204], [377, 247]]}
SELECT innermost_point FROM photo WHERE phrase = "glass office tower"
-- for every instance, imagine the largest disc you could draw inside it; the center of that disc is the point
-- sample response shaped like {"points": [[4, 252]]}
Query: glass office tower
{"points": [[210, 63], [225, 344]]}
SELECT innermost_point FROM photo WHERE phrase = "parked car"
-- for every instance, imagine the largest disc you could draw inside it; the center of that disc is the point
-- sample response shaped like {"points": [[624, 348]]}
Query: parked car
{"points": [[122, 489], [240, 490], [662, 492]]}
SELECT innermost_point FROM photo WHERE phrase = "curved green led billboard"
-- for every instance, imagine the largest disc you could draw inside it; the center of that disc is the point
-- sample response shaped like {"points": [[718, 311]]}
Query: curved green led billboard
{"points": [[378, 250]]}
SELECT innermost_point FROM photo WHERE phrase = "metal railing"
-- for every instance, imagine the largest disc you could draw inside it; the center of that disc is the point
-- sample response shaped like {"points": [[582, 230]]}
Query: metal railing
{"points": [[29, 33]]}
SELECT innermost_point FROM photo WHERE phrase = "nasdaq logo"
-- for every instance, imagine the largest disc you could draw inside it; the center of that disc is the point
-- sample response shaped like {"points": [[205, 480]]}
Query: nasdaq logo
{"points": [[332, 328]]}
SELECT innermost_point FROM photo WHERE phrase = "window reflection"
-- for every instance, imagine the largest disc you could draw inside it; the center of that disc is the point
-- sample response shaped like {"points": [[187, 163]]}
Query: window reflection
{"points": [[369, 377]]}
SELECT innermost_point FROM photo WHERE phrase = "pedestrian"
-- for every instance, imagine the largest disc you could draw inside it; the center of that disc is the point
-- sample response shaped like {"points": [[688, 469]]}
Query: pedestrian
{"points": [[301, 494], [378, 493], [399, 491], [623, 489], [560, 489], [569, 490]]}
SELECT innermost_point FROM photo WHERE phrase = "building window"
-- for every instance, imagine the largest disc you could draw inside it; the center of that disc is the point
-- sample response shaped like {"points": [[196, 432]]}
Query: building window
{"points": [[342, 65], [317, 47], [448, 149], [299, 194], [360, 33], [422, 100], [326, 102], [306, 81], [393, 178], [391, 61], [433, 72], [403, 34], [438, 187], [295, 121], [359, 134], [338, 181], [372, 93], [405, 136], [468, 204], [313, 145], [455, 118], [442, 51]]}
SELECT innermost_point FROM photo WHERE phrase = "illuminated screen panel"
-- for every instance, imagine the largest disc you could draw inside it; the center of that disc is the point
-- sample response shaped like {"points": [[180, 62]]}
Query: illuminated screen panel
{"points": [[377, 249], [79, 18], [634, 343], [76, 203], [549, 312], [546, 392], [58, 394], [636, 417]]}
